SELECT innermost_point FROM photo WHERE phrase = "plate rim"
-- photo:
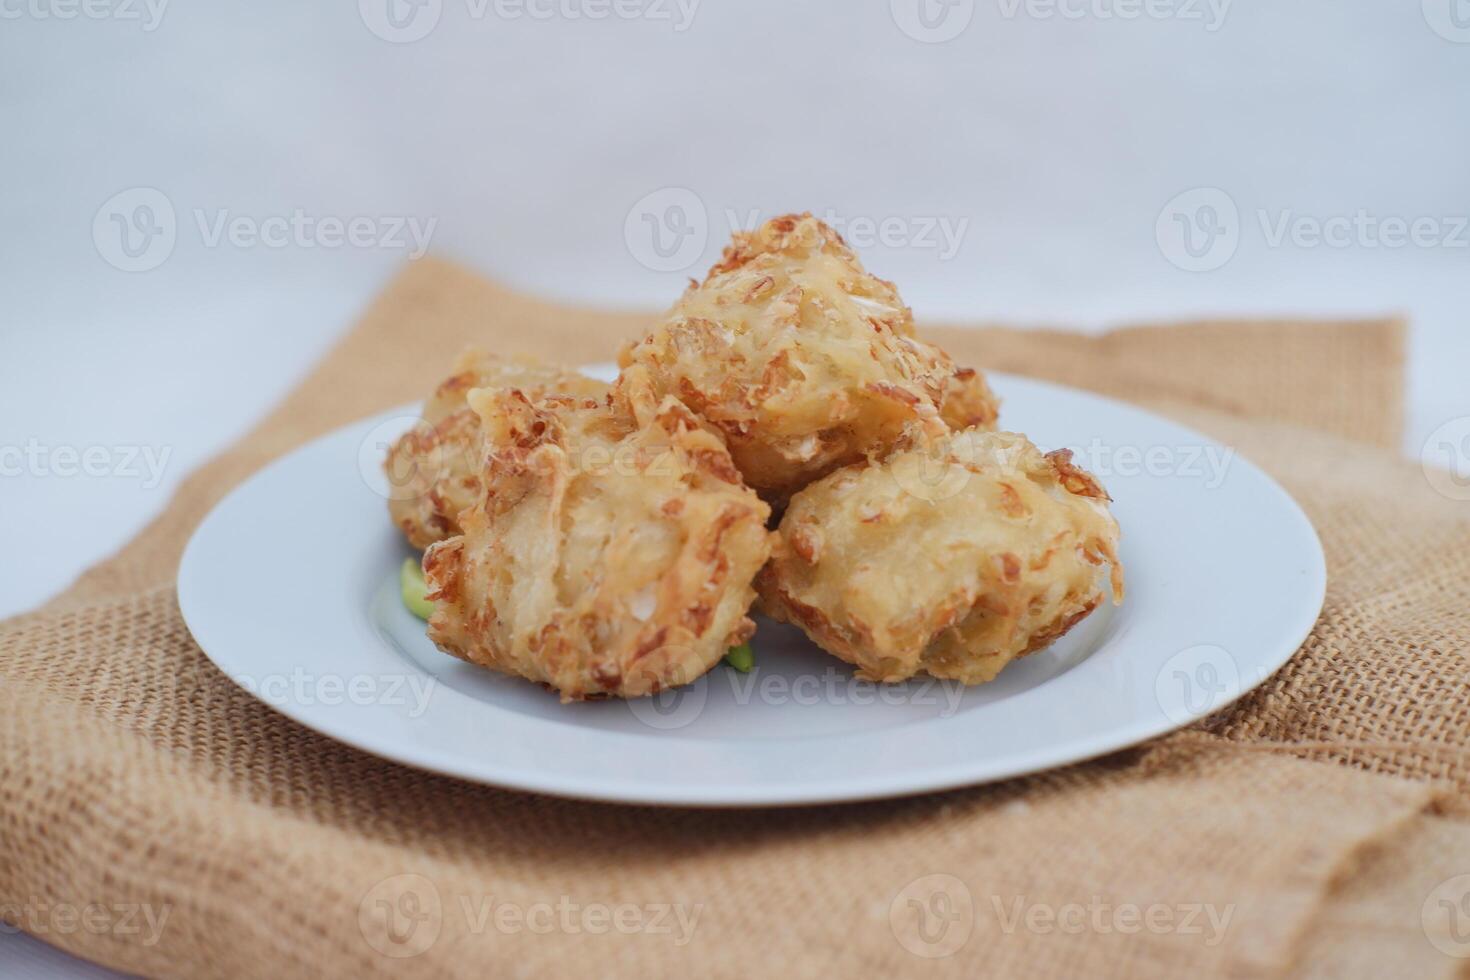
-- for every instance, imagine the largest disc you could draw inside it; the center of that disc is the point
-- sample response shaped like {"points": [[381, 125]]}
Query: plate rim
{"points": [[883, 784]]}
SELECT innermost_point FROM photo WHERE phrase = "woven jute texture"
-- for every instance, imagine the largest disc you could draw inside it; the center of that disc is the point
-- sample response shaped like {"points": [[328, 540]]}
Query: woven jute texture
{"points": [[1315, 828]]}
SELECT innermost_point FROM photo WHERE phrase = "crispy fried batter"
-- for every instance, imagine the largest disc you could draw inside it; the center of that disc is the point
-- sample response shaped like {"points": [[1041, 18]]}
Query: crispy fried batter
{"points": [[968, 402], [611, 550], [953, 558], [803, 360], [433, 469]]}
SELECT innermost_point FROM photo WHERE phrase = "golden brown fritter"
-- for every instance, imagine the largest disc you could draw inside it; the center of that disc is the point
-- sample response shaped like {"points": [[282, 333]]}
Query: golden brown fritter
{"points": [[803, 360], [433, 469], [611, 551], [953, 557], [968, 402]]}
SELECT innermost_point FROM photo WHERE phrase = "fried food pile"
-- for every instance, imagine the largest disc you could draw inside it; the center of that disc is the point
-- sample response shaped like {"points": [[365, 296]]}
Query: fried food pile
{"points": [[803, 360], [434, 469], [611, 541], [612, 551], [953, 558]]}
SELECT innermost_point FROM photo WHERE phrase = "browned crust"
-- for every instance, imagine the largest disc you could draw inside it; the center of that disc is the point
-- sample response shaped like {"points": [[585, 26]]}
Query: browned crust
{"points": [[1048, 635], [1074, 478]]}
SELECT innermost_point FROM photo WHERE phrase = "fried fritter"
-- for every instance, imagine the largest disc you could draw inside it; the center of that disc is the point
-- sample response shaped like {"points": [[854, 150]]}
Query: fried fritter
{"points": [[611, 550], [968, 402], [803, 360], [953, 558], [433, 469]]}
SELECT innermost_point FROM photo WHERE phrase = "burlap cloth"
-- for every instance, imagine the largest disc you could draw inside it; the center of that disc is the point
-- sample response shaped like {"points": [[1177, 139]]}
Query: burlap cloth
{"points": [[1321, 813]]}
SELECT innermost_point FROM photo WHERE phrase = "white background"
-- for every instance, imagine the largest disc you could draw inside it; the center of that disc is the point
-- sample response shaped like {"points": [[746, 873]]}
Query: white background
{"points": [[544, 144]]}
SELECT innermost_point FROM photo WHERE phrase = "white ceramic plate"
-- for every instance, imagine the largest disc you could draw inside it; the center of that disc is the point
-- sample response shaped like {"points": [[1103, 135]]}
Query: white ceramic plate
{"points": [[291, 587]]}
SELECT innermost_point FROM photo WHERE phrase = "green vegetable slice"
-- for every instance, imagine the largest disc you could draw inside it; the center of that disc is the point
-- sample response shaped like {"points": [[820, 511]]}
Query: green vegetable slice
{"points": [[742, 658], [411, 582]]}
